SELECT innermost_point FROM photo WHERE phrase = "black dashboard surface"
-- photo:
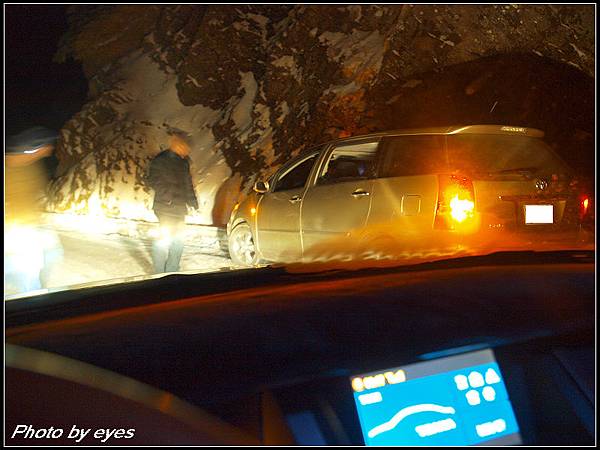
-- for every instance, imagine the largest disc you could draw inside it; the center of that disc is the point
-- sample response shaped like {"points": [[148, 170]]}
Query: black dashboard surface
{"points": [[273, 330]]}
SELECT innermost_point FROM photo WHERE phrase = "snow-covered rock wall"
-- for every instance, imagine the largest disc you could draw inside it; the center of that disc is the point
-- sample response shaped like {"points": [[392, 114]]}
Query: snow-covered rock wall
{"points": [[254, 85]]}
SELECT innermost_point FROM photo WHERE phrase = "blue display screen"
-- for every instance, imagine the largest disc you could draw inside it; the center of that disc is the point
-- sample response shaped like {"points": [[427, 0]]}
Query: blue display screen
{"points": [[457, 400]]}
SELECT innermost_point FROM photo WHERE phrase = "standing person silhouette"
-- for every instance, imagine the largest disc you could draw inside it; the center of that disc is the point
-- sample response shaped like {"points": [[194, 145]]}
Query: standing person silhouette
{"points": [[169, 176]]}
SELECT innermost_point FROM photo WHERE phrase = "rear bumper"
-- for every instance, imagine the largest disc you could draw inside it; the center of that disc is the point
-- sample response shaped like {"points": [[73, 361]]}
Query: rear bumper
{"points": [[536, 237]]}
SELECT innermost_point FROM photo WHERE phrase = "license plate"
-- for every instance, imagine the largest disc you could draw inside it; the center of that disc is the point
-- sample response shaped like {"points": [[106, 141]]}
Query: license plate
{"points": [[539, 214]]}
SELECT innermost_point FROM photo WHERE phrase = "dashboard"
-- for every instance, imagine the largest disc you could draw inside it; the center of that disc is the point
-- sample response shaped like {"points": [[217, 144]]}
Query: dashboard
{"points": [[489, 350]]}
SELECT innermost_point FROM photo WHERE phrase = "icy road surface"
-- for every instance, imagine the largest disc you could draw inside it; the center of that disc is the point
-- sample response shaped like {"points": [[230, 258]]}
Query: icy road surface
{"points": [[99, 258]]}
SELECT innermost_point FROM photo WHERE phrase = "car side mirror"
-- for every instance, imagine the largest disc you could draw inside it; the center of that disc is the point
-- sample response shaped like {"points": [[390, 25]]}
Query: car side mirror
{"points": [[261, 187]]}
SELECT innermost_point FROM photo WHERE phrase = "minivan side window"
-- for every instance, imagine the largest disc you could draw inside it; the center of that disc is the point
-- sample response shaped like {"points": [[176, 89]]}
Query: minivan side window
{"points": [[349, 162], [296, 176], [413, 155]]}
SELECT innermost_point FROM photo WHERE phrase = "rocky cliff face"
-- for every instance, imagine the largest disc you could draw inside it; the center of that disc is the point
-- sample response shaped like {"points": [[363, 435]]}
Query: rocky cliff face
{"points": [[254, 85]]}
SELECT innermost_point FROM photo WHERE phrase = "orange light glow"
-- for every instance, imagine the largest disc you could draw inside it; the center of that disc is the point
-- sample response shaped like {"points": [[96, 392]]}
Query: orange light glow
{"points": [[461, 209], [253, 210], [456, 204], [585, 204]]}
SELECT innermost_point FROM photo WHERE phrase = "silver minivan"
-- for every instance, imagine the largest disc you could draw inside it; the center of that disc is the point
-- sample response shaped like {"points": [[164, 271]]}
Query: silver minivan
{"points": [[419, 183]]}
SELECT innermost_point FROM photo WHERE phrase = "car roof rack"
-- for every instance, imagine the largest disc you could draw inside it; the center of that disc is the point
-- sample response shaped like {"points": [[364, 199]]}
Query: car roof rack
{"points": [[450, 130]]}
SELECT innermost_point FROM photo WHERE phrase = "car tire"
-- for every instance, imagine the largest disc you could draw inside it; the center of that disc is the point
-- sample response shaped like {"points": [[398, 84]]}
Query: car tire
{"points": [[242, 246]]}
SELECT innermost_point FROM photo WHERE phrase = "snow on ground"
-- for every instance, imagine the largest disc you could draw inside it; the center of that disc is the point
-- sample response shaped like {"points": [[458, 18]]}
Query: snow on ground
{"points": [[99, 259]]}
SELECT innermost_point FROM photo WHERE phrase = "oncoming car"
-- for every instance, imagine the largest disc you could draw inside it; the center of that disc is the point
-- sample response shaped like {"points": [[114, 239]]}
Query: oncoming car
{"points": [[417, 183]]}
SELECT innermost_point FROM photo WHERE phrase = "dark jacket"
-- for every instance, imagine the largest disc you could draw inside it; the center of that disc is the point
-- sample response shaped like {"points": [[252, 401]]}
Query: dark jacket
{"points": [[169, 176]]}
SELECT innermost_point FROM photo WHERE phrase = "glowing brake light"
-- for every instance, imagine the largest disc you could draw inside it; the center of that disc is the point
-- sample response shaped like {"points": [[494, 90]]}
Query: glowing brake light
{"points": [[584, 205], [460, 209], [456, 202]]}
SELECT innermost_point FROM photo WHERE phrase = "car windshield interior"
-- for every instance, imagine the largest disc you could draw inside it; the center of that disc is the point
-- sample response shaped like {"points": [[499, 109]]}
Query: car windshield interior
{"points": [[300, 224]]}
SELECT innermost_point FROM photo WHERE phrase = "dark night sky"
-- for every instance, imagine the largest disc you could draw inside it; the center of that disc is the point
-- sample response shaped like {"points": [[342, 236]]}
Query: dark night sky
{"points": [[39, 91]]}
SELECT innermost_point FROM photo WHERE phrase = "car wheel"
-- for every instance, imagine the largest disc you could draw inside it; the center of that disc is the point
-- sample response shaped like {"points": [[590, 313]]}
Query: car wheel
{"points": [[242, 248]]}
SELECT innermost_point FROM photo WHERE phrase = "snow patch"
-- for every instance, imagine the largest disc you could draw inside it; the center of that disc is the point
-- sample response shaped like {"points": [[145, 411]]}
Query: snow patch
{"points": [[265, 140], [412, 84], [343, 90], [258, 25], [331, 39], [355, 11], [191, 79], [360, 53], [285, 110], [242, 113], [259, 19], [148, 104], [289, 63]]}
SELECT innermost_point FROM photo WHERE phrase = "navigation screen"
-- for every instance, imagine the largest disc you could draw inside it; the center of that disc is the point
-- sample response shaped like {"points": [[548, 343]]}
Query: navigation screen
{"points": [[457, 400]]}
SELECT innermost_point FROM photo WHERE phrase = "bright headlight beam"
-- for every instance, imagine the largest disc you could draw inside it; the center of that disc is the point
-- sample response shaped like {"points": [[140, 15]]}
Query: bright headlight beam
{"points": [[25, 247]]}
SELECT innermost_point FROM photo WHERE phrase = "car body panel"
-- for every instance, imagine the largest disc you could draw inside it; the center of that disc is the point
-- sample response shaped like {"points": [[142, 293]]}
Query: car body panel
{"points": [[278, 224], [320, 223], [278, 214], [409, 202], [501, 203], [350, 196]]}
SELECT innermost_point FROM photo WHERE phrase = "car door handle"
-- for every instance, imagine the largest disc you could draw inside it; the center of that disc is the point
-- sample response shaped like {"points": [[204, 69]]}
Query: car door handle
{"points": [[295, 199], [360, 193]]}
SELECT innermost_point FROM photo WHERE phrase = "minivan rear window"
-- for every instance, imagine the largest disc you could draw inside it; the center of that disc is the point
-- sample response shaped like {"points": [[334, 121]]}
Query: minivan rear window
{"points": [[468, 153], [483, 154]]}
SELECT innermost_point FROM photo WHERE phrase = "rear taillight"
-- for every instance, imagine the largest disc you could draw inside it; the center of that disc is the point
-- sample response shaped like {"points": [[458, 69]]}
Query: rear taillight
{"points": [[584, 206], [456, 203]]}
